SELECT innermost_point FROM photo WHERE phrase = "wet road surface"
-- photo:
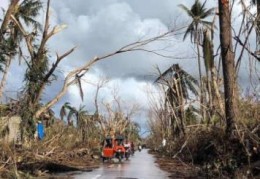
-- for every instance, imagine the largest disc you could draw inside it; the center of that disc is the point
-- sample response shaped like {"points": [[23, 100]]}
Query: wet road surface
{"points": [[139, 166]]}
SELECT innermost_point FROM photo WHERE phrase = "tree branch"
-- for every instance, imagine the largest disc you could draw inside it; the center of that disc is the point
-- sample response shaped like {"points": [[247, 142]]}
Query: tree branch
{"points": [[247, 49], [70, 78]]}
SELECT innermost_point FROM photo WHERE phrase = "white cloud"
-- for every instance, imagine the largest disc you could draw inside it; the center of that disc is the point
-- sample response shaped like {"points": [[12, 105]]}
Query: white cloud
{"points": [[98, 27]]}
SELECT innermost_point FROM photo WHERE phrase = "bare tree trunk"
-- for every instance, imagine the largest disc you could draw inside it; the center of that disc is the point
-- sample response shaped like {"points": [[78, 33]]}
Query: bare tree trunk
{"points": [[7, 17], [202, 92], [180, 108], [202, 97], [227, 64], [3, 81], [217, 100], [258, 23]]}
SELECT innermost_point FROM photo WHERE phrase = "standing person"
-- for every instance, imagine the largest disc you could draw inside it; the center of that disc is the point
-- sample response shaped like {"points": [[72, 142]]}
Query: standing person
{"points": [[40, 130], [132, 148], [164, 142], [127, 146], [139, 147]]}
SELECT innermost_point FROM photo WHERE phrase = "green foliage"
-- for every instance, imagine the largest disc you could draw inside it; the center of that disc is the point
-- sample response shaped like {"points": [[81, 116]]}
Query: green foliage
{"points": [[198, 13], [9, 43], [84, 121], [28, 10], [8, 48], [28, 124], [190, 116], [25, 12]]}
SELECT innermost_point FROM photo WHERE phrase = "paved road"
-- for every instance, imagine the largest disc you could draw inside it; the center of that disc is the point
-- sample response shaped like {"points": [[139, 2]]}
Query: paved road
{"points": [[139, 166]]}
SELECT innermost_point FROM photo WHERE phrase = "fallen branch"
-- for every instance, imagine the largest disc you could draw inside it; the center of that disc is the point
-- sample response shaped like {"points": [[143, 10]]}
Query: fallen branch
{"points": [[182, 147], [4, 163]]}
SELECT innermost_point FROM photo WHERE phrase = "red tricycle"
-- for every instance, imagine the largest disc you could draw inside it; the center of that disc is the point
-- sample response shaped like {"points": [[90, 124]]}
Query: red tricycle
{"points": [[113, 148]]}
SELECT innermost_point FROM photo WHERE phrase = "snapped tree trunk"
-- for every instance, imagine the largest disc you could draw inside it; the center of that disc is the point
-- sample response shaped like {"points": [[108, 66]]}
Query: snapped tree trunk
{"points": [[4, 78], [258, 23], [202, 93], [227, 63]]}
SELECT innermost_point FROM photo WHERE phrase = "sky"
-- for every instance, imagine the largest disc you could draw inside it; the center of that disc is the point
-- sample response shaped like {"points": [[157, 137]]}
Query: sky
{"points": [[98, 27]]}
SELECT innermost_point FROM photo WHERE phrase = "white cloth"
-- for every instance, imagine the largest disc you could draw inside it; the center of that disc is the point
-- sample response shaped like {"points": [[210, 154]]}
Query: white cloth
{"points": [[164, 142], [127, 145]]}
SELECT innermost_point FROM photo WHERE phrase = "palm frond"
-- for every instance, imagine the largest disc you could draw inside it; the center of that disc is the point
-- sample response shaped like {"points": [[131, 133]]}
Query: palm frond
{"points": [[30, 21], [63, 111], [71, 113], [196, 8], [192, 87], [186, 9], [207, 13], [190, 30], [184, 87], [207, 24], [185, 82], [28, 10], [190, 82], [190, 78], [78, 78]]}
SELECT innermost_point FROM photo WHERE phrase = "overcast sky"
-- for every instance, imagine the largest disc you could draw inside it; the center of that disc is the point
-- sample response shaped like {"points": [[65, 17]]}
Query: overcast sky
{"points": [[98, 27]]}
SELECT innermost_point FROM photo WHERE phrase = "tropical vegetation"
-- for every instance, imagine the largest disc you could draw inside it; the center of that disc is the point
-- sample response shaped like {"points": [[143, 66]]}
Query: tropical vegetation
{"points": [[206, 120]]}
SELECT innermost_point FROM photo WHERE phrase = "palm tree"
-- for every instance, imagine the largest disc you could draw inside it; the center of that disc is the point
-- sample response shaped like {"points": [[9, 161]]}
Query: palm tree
{"points": [[24, 12], [198, 13], [178, 83], [63, 110], [81, 116]]}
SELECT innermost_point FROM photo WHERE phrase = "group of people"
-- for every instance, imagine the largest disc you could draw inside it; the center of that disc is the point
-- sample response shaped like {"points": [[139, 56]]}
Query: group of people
{"points": [[132, 146], [128, 145]]}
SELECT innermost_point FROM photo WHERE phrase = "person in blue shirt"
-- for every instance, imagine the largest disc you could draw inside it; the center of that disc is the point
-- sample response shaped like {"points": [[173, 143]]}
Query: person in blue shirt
{"points": [[40, 130]]}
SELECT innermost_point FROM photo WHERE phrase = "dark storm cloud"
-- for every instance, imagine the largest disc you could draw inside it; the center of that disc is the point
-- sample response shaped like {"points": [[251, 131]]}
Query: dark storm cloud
{"points": [[98, 27]]}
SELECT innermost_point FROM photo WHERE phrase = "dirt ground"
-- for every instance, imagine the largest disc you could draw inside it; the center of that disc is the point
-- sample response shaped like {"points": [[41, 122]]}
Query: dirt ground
{"points": [[176, 168]]}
